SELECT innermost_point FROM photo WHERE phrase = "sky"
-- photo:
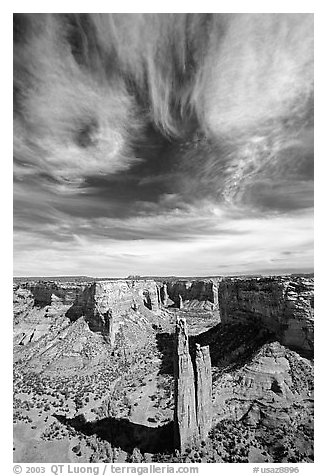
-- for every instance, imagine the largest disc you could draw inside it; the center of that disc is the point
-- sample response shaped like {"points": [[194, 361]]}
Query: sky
{"points": [[163, 144]]}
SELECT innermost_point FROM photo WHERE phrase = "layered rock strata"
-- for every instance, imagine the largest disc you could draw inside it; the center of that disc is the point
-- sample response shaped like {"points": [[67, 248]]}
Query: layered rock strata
{"points": [[282, 305], [43, 292], [273, 388], [193, 391], [203, 291], [104, 303]]}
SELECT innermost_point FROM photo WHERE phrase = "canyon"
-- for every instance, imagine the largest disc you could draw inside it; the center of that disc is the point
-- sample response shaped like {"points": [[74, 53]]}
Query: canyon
{"points": [[285, 306], [137, 369]]}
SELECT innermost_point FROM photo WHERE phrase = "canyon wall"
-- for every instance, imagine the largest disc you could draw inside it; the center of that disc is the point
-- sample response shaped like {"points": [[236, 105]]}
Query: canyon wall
{"points": [[283, 305], [205, 291], [103, 303], [43, 292], [32, 321]]}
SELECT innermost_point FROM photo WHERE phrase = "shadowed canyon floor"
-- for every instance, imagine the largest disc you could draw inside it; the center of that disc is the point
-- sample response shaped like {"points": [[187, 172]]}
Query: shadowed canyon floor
{"points": [[94, 378]]}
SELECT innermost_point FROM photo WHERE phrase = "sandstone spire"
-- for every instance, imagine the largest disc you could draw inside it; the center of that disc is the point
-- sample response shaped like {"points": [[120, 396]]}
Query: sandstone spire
{"points": [[185, 431], [165, 295], [193, 393], [203, 390]]}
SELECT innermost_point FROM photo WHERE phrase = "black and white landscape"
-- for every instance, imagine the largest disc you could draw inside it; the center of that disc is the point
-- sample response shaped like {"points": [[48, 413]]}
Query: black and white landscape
{"points": [[163, 238]]}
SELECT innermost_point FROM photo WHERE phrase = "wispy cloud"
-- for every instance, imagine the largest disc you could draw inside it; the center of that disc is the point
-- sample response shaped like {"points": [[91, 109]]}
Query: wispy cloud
{"points": [[71, 124], [194, 242], [172, 143]]}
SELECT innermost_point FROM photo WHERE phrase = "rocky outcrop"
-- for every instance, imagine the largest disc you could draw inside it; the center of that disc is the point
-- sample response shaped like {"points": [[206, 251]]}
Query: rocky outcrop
{"points": [[269, 389], [23, 303], [104, 303], [282, 305], [193, 391], [32, 323]]}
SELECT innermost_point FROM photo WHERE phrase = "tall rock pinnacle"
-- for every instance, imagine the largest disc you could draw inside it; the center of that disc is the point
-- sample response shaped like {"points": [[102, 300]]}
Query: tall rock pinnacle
{"points": [[193, 393], [185, 430], [203, 390], [165, 295]]}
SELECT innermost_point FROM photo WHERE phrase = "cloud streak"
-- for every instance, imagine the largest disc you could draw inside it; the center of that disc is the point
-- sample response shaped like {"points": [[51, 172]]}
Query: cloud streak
{"points": [[203, 247]]}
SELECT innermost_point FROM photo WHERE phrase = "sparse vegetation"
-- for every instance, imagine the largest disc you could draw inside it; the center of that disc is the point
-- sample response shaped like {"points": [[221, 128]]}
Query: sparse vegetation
{"points": [[131, 386]]}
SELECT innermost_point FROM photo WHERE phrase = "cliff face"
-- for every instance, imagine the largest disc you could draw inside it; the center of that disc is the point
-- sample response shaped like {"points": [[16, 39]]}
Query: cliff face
{"points": [[43, 292], [58, 336], [205, 291], [284, 306], [39, 305], [32, 323], [104, 303]]}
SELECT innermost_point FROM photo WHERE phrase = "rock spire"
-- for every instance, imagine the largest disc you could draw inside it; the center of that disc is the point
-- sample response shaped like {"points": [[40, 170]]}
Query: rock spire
{"points": [[193, 391]]}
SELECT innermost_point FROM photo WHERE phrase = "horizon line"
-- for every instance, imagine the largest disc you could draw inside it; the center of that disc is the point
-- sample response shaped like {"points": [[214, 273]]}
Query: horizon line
{"points": [[291, 272]]}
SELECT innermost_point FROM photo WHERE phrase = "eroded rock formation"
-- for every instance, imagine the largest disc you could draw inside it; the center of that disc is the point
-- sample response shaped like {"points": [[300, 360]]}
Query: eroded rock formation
{"points": [[270, 389], [197, 290], [185, 430], [282, 305], [31, 320], [43, 292], [193, 391], [104, 303], [203, 380], [164, 295], [195, 294]]}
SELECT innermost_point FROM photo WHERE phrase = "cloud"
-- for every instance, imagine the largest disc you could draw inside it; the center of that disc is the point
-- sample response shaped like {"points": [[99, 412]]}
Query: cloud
{"points": [[190, 134], [263, 71], [71, 124], [274, 172], [215, 244]]}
